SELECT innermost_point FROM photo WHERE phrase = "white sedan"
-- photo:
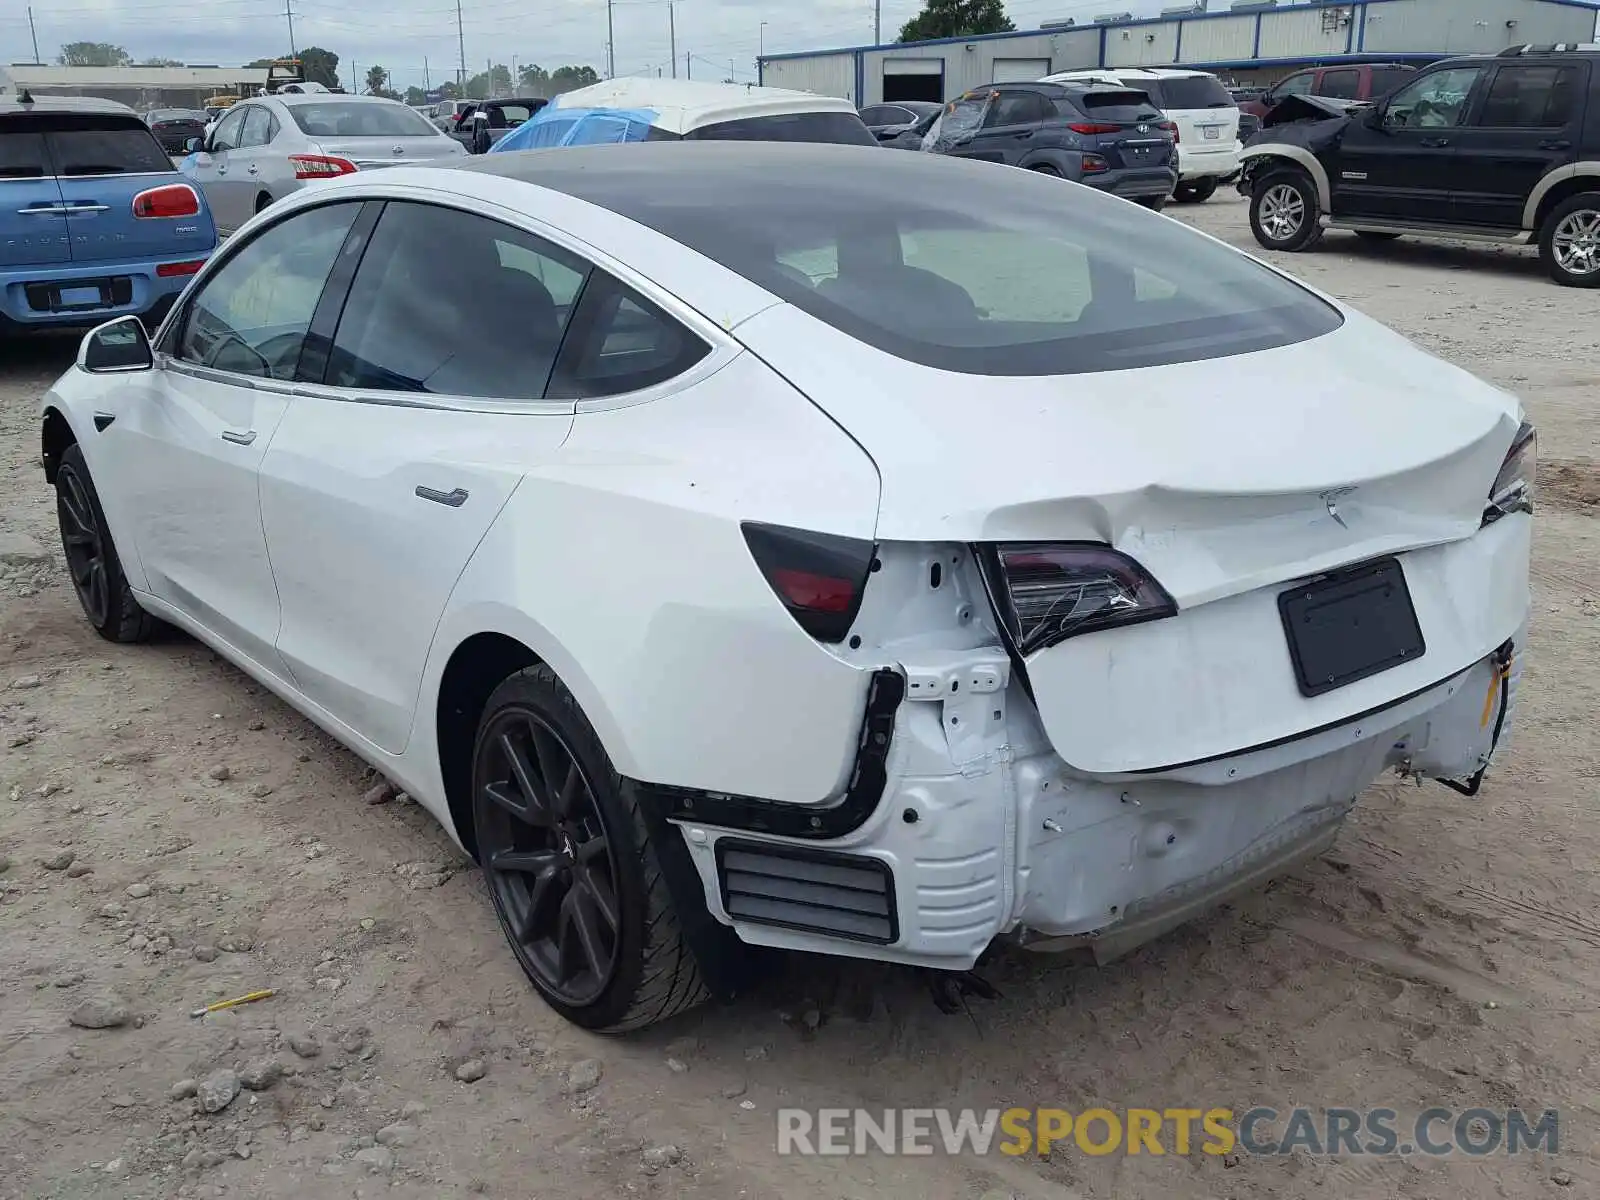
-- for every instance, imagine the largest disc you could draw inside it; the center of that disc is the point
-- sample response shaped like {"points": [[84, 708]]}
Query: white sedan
{"points": [[805, 546]]}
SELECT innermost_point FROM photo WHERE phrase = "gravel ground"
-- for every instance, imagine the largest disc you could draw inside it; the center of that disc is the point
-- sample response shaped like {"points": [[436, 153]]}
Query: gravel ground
{"points": [[170, 835]]}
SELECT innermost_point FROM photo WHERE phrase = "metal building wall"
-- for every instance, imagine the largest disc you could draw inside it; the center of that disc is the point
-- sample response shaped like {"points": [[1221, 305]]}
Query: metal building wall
{"points": [[1310, 32], [1470, 26], [824, 74], [1154, 45], [1228, 39]]}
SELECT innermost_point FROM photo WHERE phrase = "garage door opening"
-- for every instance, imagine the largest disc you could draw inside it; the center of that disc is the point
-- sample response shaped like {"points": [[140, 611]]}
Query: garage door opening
{"points": [[1019, 70], [913, 79]]}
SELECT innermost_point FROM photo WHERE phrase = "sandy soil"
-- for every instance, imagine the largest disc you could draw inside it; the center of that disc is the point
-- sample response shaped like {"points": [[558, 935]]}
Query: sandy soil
{"points": [[1444, 953]]}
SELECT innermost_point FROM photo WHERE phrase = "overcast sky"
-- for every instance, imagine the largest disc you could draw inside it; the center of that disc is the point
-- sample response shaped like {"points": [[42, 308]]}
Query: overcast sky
{"points": [[403, 34]]}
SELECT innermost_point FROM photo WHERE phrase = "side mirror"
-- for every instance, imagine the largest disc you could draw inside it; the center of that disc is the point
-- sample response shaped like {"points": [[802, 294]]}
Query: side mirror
{"points": [[1374, 117], [116, 346], [194, 145], [888, 135]]}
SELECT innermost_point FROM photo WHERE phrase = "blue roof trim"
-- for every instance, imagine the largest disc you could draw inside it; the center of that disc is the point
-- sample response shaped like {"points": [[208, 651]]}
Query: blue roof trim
{"points": [[1590, 5]]}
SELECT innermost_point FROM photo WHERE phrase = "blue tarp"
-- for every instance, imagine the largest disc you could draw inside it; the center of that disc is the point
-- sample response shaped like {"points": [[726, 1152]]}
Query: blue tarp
{"points": [[553, 125]]}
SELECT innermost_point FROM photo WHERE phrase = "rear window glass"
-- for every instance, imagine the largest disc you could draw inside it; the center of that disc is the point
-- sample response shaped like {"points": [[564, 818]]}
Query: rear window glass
{"points": [[951, 265], [21, 155], [1194, 91], [1386, 79], [332, 119], [1118, 106], [844, 128], [108, 152]]}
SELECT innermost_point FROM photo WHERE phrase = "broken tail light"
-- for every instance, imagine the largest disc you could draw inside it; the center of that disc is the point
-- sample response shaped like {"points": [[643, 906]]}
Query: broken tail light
{"points": [[1172, 128], [1093, 164], [820, 577], [1513, 486], [1051, 591], [168, 200], [320, 166]]}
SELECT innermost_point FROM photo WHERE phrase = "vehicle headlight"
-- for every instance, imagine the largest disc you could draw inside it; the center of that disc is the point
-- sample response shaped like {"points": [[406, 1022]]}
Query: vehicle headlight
{"points": [[1513, 486]]}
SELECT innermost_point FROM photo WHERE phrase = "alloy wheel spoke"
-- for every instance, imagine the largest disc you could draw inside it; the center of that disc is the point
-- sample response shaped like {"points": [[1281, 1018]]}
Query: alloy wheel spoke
{"points": [[586, 852], [97, 585], [599, 895], [585, 925], [535, 809], [502, 795], [539, 895], [528, 862], [549, 759], [565, 798]]}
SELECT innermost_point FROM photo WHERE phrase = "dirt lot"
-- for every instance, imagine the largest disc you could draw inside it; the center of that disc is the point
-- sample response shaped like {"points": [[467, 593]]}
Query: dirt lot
{"points": [[1445, 953]]}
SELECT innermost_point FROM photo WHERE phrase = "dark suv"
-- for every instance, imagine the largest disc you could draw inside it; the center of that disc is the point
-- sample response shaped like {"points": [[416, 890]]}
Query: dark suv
{"points": [[1491, 149], [1110, 138]]}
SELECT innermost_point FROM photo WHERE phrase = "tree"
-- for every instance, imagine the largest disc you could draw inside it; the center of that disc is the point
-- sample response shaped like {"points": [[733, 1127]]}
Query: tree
{"points": [[415, 96], [956, 18], [533, 80], [377, 80], [570, 79], [160, 62], [320, 66], [93, 54]]}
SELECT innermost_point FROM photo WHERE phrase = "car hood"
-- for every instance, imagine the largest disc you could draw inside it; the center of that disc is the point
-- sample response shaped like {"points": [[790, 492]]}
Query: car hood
{"points": [[1213, 474], [1310, 108]]}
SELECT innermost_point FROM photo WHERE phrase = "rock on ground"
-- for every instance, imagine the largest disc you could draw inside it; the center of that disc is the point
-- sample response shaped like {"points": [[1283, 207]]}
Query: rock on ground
{"points": [[101, 1012], [217, 1091]]}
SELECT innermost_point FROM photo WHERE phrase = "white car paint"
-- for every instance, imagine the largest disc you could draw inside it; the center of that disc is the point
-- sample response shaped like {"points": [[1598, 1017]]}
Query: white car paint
{"points": [[1152, 770]]}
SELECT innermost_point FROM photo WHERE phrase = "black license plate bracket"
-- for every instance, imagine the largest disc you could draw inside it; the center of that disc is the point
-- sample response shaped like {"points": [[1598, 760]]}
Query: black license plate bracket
{"points": [[1349, 626]]}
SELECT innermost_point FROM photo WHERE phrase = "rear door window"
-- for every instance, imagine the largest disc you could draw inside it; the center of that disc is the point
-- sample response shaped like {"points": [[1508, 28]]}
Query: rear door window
{"points": [[1386, 79], [1017, 108], [448, 302], [621, 342], [844, 128], [22, 155], [1194, 91], [1532, 97], [1343, 84]]}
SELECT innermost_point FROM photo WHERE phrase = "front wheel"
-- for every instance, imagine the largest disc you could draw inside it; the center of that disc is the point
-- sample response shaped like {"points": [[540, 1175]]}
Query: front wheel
{"points": [[568, 862], [1196, 191], [92, 560], [1284, 213], [1569, 241]]}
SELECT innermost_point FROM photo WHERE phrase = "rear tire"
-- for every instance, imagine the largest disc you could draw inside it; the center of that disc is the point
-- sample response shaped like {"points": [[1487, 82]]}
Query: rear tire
{"points": [[262, 201], [92, 560], [1196, 191], [567, 858], [1045, 169], [1284, 212], [1569, 241], [1153, 203]]}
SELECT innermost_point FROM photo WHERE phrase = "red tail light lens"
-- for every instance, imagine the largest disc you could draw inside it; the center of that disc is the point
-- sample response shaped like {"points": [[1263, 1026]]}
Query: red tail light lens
{"points": [[820, 577], [1169, 127], [1093, 127], [169, 200], [320, 166], [1093, 164], [1052, 591], [172, 270]]}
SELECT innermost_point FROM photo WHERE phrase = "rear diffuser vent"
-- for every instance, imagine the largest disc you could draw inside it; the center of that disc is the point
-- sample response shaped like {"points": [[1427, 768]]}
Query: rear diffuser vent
{"points": [[839, 895]]}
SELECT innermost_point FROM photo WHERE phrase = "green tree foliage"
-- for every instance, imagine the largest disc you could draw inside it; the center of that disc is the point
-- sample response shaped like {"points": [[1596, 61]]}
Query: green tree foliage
{"points": [[319, 65], [377, 81], [93, 54], [159, 62], [415, 96], [956, 18], [534, 80]]}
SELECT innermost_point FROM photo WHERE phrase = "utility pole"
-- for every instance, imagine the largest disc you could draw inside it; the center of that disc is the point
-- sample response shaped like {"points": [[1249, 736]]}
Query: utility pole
{"points": [[611, 44], [672, 40], [877, 22], [35, 34], [461, 45], [688, 65], [288, 13], [732, 67], [427, 80], [355, 78]]}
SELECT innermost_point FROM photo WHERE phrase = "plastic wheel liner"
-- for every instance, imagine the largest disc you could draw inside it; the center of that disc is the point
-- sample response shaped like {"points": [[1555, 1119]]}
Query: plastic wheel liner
{"points": [[960, 119]]}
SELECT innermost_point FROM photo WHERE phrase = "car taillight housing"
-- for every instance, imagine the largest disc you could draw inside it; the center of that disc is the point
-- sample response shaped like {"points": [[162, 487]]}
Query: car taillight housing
{"points": [[169, 200], [1048, 592], [320, 166], [175, 270], [1093, 164], [1513, 487], [1170, 127], [820, 577], [1090, 127]]}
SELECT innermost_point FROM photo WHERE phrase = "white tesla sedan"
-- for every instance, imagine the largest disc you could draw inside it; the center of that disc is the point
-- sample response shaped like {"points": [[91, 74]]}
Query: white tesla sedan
{"points": [[801, 545]]}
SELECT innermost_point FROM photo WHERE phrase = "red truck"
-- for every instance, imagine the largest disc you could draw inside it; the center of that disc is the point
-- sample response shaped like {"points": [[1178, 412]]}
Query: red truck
{"points": [[1357, 81]]}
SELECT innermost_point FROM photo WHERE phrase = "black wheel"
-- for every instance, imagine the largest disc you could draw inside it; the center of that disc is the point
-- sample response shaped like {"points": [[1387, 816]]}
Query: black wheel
{"points": [[1044, 169], [1377, 235], [92, 561], [1569, 241], [575, 882], [1153, 203], [1196, 191], [1284, 213]]}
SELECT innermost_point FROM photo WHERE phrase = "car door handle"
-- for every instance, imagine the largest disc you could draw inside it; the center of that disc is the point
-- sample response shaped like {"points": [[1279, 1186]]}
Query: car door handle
{"points": [[239, 438], [47, 210], [86, 208], [1434, 143], [1556, 144], [454, 498], [1026, 133]]}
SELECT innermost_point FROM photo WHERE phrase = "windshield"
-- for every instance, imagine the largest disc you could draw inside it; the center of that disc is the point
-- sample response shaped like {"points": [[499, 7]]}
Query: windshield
{"points": [[955, 265], [177, 114], [845, 128], [352, 118], [1194, 91]]}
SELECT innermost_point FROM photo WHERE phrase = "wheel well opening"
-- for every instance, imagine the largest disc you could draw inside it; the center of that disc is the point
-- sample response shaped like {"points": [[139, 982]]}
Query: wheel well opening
{"points": [[478, 666], [1563, 191], [58, 436]]}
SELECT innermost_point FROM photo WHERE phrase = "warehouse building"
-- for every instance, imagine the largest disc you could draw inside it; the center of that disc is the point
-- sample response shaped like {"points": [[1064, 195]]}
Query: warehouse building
{"points": [[1253, 41], [140, 88]]}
